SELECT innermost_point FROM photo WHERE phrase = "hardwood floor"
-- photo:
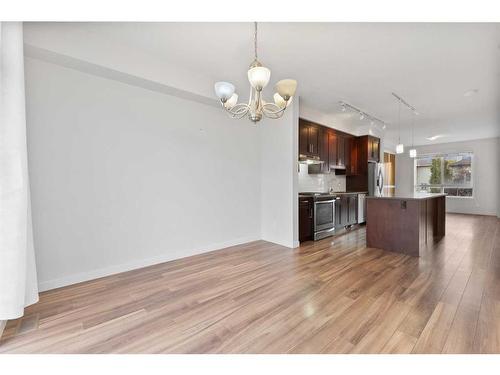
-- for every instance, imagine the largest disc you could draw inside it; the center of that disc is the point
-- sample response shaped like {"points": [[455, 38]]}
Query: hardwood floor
{"points": [[330, 296]]}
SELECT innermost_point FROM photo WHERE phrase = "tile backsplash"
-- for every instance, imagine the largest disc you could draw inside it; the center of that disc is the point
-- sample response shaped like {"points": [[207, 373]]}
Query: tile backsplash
{"points": [[319, 182]]}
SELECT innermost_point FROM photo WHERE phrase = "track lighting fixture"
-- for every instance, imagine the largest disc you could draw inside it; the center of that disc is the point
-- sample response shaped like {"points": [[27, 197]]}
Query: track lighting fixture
{"points": [[362, 114]]}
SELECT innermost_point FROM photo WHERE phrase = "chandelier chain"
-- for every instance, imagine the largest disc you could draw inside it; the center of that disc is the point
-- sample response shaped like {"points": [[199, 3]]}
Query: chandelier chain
{"points": [[255, 40]]}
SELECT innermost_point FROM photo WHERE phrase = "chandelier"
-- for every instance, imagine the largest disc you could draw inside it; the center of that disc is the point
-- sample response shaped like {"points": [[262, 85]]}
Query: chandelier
{"points": [[256, 108]]}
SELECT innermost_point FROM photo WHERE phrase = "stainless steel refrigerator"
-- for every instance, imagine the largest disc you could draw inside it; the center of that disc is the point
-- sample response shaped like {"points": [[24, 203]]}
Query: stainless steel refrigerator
{"points": [[376, 179]]}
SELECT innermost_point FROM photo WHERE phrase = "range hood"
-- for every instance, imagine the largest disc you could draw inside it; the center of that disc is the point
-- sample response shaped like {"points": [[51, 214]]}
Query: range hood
{"points": [[306, 159]]}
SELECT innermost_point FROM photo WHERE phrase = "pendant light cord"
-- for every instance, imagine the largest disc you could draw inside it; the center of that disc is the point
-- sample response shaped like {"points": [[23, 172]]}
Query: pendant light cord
{"points": [[399, 122], [413, 131], [255, 40]]}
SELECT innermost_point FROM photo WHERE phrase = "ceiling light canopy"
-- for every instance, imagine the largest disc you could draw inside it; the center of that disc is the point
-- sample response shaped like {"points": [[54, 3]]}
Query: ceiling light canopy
{"points": [[259, 77]]}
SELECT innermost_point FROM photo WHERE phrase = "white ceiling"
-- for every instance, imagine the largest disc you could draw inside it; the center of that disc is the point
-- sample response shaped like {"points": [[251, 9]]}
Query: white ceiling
{"points": [[431, 65]]}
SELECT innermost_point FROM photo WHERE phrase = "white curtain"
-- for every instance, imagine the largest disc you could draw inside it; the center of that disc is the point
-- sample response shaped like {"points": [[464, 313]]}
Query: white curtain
{"points": [[18, 283]]}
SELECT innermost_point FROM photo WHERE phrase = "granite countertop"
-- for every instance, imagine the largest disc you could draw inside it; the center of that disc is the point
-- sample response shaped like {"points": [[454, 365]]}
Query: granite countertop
{"points": [[350, 192], [414, 196], [335, 193]]}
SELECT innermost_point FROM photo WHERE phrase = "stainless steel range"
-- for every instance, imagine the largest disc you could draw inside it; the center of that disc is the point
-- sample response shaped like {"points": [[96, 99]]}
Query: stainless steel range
{"points": [[324, 214]]}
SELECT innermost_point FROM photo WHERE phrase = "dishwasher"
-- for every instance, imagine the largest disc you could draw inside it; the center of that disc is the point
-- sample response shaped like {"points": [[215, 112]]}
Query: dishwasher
{"points": [[361, 208]]}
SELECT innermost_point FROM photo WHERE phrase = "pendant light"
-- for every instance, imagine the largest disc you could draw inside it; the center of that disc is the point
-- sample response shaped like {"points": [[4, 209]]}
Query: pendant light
{"points": [[413, 151], [400, 148]]}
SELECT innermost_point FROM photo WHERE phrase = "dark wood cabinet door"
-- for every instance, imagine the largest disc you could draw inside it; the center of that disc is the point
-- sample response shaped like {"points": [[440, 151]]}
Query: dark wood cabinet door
{"points": [[340, 151], [309, 138], [314, 140], [373, 149], [344, 220], [303, 139], [370, 148], [305, 219], [352, 167], [338, 213], [376, 149], [324, 151], [332, 149], [347, 154]]}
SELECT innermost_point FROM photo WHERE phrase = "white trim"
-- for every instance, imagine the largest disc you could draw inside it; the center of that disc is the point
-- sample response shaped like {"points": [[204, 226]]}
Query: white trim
{"points": [[118, 268]]}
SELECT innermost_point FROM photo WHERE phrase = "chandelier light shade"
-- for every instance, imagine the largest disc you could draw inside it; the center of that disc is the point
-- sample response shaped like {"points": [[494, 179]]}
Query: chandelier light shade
{"points": [[224, 90], [259, 77], [279, 101], [231, 102], [286, 88], [257, 107], [400, 148], [413, 153]]}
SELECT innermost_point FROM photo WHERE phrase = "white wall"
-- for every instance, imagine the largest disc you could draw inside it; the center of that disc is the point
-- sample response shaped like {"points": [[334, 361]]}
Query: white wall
{"points": [[486, 170], [279, 178], [123, 177]]}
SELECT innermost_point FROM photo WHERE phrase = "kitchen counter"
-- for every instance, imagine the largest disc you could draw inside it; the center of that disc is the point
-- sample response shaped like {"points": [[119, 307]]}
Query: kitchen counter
{"points": [[304, 194], [350, 192], [414, 196], [405, 224]]}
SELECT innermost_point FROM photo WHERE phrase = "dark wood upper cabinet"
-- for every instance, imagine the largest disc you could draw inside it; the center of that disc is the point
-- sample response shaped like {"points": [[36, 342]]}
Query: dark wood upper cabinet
{"points": [[324, 150], [303, 139], [314, 139], [373, 144], [309, 138], [332, 149], [352, 157], [341, 151]]}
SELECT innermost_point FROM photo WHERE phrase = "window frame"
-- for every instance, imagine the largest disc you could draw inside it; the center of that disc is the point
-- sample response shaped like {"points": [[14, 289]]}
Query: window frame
{"points": [[444, 186]]}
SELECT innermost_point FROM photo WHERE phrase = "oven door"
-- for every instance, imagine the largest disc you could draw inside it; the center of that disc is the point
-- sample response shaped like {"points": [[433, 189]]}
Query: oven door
{"points": [[324, 215]]}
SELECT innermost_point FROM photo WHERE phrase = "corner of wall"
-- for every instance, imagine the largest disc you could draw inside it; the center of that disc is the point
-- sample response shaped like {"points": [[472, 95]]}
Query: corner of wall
{"points": [[3, 323]]}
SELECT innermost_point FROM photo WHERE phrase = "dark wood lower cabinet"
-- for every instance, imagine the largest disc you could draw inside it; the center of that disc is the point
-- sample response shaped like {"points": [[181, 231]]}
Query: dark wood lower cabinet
{"points": [[353, 209], [305, 219], [346, 213], [346, 210]]}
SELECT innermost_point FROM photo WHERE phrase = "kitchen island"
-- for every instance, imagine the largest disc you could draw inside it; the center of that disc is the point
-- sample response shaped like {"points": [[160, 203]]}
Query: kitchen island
{"points": [[405, 224]]}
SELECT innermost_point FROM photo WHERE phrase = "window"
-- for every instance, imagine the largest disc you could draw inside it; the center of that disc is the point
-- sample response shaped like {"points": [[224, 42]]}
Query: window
{"points": [[445, 173]]}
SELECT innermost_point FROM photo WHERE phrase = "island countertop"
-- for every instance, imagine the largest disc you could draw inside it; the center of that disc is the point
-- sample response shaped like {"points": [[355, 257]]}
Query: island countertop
{"points": [[414, 196], [406, 223]]}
